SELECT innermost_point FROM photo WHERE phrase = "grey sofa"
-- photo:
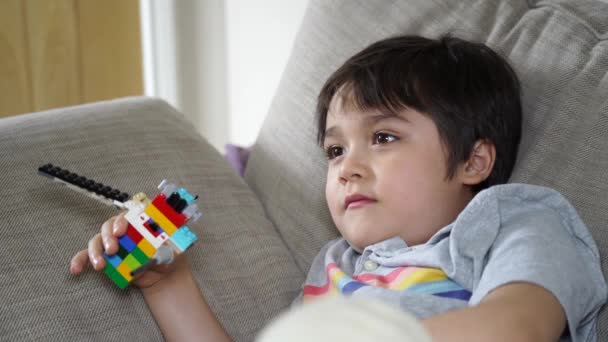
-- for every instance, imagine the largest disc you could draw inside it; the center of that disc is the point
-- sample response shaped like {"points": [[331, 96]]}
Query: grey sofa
{"points": [[259, 234]]}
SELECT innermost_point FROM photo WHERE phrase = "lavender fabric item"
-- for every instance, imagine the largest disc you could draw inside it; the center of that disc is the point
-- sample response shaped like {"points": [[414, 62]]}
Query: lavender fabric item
{"points": [[237, 157]]}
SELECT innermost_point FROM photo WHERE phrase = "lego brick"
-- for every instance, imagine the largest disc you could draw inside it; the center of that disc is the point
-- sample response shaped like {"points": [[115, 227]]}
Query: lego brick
{"points": [[137, 220], [176, 202], [125, 271], [146, 247], [185, 195], [116, 277], [160, 236], [82, 184], [126, 242], [150, 223], [113, 260], [153, 228], [183, 238], [192, 213], [132, 262], [160, 219], [140, 255], [134, 234], [160, 202], [163, 237], [122, 252]]}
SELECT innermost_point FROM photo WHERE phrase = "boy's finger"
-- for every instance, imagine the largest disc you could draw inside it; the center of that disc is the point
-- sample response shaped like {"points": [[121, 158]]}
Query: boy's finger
{"points": [[79, 262], [120, 225], [107, 237], [95, 252]]}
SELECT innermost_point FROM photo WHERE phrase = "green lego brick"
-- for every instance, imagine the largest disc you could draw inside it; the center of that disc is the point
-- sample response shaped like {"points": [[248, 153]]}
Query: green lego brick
{"points": [[139, 255], [116, 277], [132, 262]]}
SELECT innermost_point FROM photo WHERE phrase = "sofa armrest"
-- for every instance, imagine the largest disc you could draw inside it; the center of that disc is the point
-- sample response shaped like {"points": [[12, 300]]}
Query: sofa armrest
{"points": [[240, 262]]}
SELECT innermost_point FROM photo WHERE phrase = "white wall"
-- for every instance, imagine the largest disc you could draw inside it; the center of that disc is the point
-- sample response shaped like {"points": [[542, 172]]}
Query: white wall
{"points": [[219, 62], [259, 36]]}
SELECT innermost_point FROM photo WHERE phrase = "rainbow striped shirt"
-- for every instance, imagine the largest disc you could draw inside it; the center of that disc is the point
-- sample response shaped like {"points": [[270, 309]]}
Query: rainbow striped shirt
{"points": [[421, 280]]}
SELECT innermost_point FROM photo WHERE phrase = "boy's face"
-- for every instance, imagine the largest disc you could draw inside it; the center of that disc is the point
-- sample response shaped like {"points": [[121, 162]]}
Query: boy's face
{"points": [[386, 177]]}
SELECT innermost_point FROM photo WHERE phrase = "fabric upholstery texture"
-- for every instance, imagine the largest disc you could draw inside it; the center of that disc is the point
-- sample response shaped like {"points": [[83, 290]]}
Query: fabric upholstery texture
{"points": [[558, 48], [240, 263]]}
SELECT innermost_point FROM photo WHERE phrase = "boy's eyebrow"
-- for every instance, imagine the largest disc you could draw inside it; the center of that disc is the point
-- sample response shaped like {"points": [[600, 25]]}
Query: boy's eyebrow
{"points": [[331, 132], [372, 119]]}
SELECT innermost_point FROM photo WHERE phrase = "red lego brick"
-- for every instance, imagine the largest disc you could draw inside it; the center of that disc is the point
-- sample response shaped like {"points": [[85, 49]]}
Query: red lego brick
{"points": [[160, 202], [134, 234], [154, 232]]}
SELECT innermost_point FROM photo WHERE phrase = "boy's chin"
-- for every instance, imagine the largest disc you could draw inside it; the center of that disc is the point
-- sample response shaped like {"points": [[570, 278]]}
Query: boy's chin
{"points": [[361, 233], [355, 247]]}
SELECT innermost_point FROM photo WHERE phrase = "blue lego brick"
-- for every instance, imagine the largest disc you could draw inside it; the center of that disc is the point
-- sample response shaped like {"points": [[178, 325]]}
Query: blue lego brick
{"points": [[126, 242], [114, 260], [183, 238], [185, 195]]}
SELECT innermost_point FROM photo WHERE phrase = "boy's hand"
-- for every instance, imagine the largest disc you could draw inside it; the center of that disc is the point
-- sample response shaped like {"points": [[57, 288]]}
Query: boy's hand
{"points": [[107, 240], [170, 290]]}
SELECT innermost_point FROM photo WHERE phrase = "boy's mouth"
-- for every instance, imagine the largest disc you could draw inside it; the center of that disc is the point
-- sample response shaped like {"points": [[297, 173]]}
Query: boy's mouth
{"points": [[356, 201]]}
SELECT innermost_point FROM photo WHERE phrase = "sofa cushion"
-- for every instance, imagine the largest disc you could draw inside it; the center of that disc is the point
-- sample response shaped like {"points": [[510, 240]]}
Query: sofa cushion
{"points": [[558, 48], [240, 263]]}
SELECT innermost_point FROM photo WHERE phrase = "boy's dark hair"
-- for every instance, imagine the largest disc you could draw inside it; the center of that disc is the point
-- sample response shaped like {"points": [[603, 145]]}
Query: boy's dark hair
{"points": [[468, 90]]}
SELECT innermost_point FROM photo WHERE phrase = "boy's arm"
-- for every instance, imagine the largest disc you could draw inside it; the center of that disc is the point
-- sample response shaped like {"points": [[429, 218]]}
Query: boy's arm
{"points": [[513, 312], [180, 310]]}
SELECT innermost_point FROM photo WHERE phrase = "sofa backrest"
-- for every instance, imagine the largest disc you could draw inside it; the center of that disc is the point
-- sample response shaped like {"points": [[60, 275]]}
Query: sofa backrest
{"points": [[558, 48]]}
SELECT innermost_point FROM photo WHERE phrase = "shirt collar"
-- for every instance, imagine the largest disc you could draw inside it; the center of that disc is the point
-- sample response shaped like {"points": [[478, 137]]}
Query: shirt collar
{"points": [[392, 245], [388, 246]]}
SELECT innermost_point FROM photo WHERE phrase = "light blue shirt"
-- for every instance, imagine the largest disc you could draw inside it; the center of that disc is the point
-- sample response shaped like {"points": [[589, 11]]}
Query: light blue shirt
{"points": [[507, 233]]}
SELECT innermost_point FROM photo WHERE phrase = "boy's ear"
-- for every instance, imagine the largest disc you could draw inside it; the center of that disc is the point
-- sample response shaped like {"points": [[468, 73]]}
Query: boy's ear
{"points": [[480, 163]]}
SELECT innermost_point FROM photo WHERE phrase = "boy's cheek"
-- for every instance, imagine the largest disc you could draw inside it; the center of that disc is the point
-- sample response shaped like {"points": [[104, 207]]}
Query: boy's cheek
{"points": [[334, 208], [331, 196]]}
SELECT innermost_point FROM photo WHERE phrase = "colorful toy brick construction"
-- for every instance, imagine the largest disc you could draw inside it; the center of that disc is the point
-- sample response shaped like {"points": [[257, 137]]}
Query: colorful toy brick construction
{"points": [[156, 231], [153, 226]]}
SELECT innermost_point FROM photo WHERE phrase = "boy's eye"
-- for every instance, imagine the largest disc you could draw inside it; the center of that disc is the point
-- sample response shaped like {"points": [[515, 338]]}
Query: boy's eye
{"points": [[333, 151], [383, 138]]}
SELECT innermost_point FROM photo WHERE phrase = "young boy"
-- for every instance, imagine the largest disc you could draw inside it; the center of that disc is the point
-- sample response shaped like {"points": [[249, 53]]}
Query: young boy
{"points": [[419, 134]]}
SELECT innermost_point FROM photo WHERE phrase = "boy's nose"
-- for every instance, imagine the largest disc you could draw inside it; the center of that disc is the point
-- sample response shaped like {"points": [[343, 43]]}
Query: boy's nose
{"points": [[353, 167]]}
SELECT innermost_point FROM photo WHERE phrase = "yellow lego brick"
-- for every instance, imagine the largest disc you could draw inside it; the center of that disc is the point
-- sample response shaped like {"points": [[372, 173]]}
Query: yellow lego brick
{"points": [[125, 271], [146, 247], [160, 219]]}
